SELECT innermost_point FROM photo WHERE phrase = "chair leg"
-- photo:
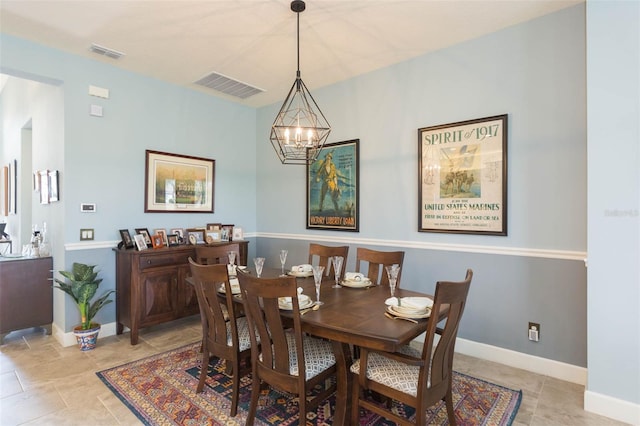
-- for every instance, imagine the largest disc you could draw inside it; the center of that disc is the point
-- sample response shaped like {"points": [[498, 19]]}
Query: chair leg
{"points": [[204, 369], [235, 391], [355, 400], [302, 406], [448, 401], [253, 405]]}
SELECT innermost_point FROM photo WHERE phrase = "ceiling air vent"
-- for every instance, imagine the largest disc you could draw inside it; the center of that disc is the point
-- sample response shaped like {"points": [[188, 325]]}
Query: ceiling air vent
{"points": [[227, 85], [101, 50]]}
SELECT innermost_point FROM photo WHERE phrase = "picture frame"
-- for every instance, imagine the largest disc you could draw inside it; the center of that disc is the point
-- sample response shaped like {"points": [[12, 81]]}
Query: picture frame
{"points": [[177, 183], [141, 243], [333, 188], [196, 236], [173, 240], [227, 232], [179, 232], [238, 233], [127, 241], [54, 189], [462, 174], [5, 184], [212, 226], [163, 234], [44, 186], [214, 236], [157, 241], [147, 237], [13, 188]]}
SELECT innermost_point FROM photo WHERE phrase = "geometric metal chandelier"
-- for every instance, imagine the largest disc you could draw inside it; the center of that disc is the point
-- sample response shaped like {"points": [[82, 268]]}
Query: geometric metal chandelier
{"points": [[300, 130]]}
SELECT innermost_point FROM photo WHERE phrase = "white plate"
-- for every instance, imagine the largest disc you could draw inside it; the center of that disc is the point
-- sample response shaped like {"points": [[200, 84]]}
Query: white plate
{"points": [[300, 274], [356, 284], [417, 302], [288, 307], [235, 289], [401, 314]]}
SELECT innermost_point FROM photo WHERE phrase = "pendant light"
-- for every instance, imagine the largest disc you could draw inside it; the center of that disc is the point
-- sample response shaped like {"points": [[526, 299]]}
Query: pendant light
{"points": [[300, 130]]}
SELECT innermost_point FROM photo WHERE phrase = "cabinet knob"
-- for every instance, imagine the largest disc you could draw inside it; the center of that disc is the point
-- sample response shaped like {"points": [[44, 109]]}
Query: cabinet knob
{"points": [[148, 261]]}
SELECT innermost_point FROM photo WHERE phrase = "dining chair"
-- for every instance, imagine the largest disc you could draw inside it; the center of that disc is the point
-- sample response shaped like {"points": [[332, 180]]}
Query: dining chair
{"points": [[376, 261], [211, 255], [417, 378], [228, 340], [321, 255], [292, 362]]}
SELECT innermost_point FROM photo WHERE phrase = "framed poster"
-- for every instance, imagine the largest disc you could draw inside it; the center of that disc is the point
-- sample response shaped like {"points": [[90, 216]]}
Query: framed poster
{"points": [[178, 183], [462, 176], [333, 190]]}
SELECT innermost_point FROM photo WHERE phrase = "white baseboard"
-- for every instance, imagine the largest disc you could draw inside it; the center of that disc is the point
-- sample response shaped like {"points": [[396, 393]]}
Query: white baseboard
{"points": [[68, 339], [617, 409], [535, 364]]}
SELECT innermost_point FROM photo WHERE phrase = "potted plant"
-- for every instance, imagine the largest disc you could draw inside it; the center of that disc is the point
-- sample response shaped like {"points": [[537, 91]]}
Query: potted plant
{"points": [[82, 284]]}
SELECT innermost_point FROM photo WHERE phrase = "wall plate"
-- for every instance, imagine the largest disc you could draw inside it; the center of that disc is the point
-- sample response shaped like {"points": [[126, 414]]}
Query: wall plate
{"points": [[88, 207], [86, 234]]}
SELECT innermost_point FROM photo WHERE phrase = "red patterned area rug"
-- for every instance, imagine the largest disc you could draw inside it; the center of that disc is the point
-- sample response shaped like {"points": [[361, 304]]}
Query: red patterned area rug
{"points": [[160, 390]]}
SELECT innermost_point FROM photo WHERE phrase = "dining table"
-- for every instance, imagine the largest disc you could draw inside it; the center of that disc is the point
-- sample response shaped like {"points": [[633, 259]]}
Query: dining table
{"points": [[351, 317]]}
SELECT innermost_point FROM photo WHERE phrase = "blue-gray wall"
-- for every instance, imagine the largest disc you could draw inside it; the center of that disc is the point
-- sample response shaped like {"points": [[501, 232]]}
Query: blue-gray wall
{"points": [[535, 73]]}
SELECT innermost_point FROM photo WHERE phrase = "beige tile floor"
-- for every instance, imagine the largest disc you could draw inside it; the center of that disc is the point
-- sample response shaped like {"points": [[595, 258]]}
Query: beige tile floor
{"points": [[43, 383]]}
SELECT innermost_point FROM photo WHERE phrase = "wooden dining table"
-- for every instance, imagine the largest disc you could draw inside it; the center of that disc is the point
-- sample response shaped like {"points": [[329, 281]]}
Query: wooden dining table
{"points": [[353, 316]]}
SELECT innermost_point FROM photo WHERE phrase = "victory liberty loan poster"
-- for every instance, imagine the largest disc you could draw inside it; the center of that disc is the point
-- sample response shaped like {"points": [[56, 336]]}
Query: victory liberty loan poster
{"points": [[332, 188], [463, 177]]}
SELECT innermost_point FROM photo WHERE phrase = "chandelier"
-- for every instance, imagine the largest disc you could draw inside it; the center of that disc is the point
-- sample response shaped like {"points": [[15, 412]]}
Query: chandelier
{"points": [[300, 130]]}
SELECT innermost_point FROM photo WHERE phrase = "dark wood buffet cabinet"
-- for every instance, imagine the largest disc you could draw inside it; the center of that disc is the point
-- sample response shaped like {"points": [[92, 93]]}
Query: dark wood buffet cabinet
{"points": [[151, 286]]}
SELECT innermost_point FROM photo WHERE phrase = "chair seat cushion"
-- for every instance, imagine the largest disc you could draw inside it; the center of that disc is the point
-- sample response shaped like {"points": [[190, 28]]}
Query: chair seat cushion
{"points": [[392, 373], [318, 355], [244, 339]]}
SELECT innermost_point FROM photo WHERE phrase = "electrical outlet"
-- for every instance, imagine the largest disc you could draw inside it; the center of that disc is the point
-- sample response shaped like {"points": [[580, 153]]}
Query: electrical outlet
{"points": [[534, 331]]}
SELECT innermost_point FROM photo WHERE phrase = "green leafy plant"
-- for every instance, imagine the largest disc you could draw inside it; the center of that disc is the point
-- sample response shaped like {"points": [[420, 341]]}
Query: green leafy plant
{"points": [[82, 285]]}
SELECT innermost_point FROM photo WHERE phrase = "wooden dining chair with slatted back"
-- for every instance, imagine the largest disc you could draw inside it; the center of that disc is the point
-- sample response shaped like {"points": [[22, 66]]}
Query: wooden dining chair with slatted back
{"points": [[292, 361], [213, 255], [321, 255], [376, 261], [416, 378], [227, 340]]}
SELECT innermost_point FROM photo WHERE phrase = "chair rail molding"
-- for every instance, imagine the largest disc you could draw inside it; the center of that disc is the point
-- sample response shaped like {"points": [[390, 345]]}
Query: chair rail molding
{"points": [[467, 248]]}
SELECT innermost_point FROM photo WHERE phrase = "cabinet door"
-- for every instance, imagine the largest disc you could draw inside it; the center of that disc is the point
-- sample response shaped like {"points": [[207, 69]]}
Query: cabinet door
{"points": [[159, 290], [189, 299]]}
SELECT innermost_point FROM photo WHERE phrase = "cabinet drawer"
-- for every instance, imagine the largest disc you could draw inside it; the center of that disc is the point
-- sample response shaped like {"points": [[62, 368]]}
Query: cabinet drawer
{"points": [[147, 262]]}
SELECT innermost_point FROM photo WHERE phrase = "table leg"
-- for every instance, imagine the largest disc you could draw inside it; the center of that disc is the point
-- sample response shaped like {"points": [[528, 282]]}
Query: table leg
{"points": [[341, 416]]}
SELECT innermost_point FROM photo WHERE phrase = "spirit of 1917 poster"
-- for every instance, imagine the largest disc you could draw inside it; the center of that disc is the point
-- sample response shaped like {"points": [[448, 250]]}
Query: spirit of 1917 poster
{"points": [[463, 177]]}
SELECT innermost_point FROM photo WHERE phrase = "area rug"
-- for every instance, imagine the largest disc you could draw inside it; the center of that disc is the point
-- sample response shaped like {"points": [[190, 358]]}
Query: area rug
{"points": [[160, 390]]}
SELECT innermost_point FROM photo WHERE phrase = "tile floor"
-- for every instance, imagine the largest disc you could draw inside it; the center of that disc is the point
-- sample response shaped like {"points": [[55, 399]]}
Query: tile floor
{"points": [[43, 383]]}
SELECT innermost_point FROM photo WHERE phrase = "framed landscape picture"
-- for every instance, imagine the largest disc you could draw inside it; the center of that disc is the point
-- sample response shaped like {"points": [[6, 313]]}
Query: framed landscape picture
{"points": [[462, 176], [333, 190], [178, 183]]}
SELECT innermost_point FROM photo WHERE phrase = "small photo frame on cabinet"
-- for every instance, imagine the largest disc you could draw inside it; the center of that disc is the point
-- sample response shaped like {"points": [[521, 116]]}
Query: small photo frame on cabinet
{"points": [[145, 233], [214, 236], [157, 241], [163, 234], [173, 240], [196, 236], [238, 233], [212, 226], [141, 244], [127, 241]]}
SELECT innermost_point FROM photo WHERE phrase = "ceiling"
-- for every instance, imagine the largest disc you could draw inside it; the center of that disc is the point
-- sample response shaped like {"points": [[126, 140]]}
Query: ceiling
{"points": [[254, 41]]}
